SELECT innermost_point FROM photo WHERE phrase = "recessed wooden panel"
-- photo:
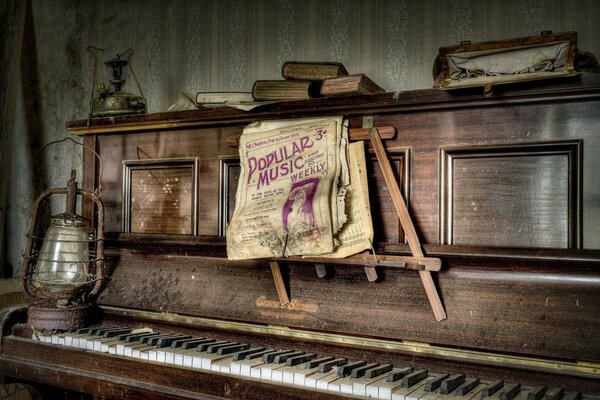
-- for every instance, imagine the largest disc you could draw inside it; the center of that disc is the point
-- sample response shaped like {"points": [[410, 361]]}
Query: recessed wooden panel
{"points": [[160, 196], [512, 196], [229, 174], [387, 228]]}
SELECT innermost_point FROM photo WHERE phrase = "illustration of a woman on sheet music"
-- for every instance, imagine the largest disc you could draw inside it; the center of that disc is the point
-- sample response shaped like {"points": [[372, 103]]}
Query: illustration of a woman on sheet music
{"points": [[298, 214]]}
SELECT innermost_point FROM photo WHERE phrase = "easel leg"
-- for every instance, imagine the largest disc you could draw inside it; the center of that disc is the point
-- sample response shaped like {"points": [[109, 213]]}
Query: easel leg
{"points": [[284, 298], [406, 222]]}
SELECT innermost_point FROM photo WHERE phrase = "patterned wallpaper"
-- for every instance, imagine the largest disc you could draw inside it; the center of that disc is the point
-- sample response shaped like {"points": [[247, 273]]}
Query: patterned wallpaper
{"points": [[228, 44], [215, 45]]}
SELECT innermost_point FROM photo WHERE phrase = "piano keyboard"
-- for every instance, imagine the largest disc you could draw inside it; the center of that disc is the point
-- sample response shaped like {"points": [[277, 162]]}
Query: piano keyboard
{"points": [[351, 378]]}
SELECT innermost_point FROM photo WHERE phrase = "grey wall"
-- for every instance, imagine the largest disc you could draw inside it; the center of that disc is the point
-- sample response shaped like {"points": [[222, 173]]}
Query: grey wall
{"points": [[216, 45]]}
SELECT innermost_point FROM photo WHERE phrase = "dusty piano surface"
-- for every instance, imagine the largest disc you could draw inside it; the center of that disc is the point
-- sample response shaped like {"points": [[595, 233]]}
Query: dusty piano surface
{"points": [[504, 189]]}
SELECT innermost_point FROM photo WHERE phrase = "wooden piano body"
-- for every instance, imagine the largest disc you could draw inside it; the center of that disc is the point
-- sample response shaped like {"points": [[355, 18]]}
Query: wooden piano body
{"points": [[504, 189]]}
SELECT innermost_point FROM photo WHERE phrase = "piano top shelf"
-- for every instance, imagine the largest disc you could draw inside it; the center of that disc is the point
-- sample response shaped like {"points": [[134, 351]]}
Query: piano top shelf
{"points": [[578, 87]]}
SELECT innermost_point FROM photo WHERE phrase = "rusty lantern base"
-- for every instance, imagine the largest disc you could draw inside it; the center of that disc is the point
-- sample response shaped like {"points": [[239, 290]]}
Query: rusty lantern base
{"points": [[47, 315]]}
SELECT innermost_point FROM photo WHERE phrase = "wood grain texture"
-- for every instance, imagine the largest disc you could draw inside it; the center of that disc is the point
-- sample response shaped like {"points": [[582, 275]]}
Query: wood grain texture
{"points": [[504, 305], [500, 298], [407, 224]]}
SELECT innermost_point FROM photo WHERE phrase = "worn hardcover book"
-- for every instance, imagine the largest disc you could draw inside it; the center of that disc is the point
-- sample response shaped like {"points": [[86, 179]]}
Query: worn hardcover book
{"points": [[283, 90], [349, 85], [312, 71], [222, 97]]}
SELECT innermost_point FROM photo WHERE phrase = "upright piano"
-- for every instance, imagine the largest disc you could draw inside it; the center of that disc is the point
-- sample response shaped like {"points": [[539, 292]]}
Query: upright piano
{"points": [[504, 188]]}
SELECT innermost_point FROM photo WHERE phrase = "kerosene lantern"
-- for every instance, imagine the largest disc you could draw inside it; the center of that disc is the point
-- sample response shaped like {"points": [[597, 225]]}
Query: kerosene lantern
{"points": [[117, 102], [64, 271]]}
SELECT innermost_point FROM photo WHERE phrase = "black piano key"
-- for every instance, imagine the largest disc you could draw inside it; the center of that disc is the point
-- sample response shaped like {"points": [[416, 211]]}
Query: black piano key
{"points": [[195, 343], [316, 362], [179, 342], [153, 340], [328, 365], [466, 387], [204, 346], [99, 331], [396, 376], [216, 346], [360, 372], [136, 337], [510, 391], [86, 330], [232, 349], [414, 377], [536, 393], [555, 394], [260, 354], [572, 396], [270, 357], [116, 332], [300, 359], [378, 371], [284, 357], [89, 329], [241, 355], [452, 383], [346, 369], [435, 383], [146, 339], [166, 342], [491, 388]]}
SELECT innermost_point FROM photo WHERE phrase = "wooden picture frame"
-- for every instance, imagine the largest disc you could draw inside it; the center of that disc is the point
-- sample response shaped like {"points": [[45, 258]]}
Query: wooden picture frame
{"points": [[160, 196]]}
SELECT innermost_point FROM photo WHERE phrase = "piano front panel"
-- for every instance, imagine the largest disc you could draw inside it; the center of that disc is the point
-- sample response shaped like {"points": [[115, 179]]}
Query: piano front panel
{"points": [[500, 305]]}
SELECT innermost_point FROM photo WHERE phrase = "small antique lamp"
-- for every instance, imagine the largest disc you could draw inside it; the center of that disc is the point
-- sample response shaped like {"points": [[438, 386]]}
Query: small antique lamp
{"points": [[63, 272], [118, 102]]}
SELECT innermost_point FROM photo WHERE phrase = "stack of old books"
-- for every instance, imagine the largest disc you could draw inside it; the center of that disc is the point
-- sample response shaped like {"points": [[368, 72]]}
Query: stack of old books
{"points": [[305, 80]]}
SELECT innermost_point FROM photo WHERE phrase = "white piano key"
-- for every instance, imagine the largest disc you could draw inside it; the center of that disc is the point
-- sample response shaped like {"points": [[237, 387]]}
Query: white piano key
{"points": [[196, 360], [236, 367], [312, 379], [359, 385], [58, 339], [134, 350], [246, 366], [83, 339], [266, 370], [207, 359], [109, 346], [215, 363], [346, 385], [169, 357], [152, 354], [223, 365], [278, 374], [179, 356], [301, 375], [328, 382], [69, 339], [98, 343], [381, 388], [413, 392]]}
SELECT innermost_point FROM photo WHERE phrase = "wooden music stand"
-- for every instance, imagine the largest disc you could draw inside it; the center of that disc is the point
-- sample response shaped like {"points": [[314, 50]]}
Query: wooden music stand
{"points": [[428, 264]]}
